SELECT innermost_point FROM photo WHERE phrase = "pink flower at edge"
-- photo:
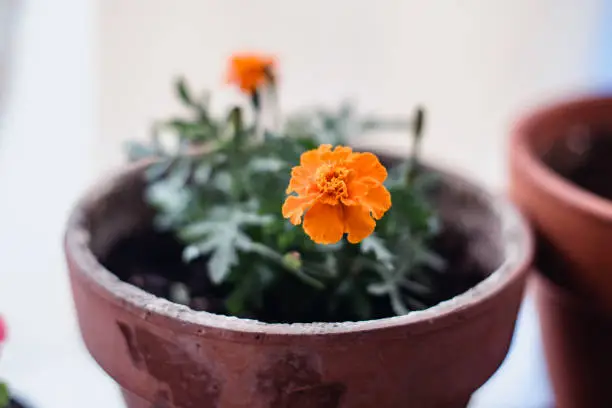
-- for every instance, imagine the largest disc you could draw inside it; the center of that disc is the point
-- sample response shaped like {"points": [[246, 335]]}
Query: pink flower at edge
{"points": [[2, 330]]}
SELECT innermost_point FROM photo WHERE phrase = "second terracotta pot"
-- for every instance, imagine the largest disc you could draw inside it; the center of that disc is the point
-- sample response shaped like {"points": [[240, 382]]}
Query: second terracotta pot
{"points": [[574, 230], [576, 223]]}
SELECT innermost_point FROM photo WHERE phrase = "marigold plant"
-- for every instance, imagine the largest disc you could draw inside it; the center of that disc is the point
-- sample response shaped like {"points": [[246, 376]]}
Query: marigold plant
{"points": [[234, 193]]}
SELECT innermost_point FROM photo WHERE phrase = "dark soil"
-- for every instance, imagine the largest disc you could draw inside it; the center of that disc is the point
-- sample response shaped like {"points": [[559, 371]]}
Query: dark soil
{"points": [[152, 261], [585, 160]]}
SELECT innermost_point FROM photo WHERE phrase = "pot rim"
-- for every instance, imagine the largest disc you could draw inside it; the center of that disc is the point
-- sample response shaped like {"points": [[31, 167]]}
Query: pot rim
{"points": [[542, 175], [518, 249]]}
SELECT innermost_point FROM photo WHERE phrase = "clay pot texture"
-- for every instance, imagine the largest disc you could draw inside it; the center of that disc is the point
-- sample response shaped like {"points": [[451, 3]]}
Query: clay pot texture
{"points": [[577, 338], [166, 355], [574, 229], [576, 223]]}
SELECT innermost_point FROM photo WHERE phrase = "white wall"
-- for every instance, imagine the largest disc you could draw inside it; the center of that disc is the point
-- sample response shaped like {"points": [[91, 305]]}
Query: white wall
{"points": [[476, 64]]}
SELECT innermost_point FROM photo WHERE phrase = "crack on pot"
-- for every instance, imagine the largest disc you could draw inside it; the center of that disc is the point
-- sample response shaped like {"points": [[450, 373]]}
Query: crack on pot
{"points": [[294, 381], [189, 383], [323, 396], [135, 355]]}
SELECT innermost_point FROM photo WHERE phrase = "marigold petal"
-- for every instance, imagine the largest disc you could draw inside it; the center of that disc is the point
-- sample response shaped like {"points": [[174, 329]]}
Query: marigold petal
{"points": [[368, 165], [358, 223], [300, 181], [339, 154], [359, 188], [294, 207], [324, 223], [312, 159], [378, 200]]}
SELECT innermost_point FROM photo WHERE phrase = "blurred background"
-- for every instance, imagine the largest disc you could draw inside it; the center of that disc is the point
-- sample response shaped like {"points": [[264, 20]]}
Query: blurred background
{"points": [[79, 77]]}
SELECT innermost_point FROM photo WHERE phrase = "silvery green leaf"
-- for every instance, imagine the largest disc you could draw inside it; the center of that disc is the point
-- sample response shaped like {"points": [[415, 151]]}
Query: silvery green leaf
{"points": [[202, 173], [346, 111], [330, 248], [266, 274], [415, 287], [298, 126], [191, 252], [379, 289], [397, 303], [271, 164], [377, 246], [220, 236], [138, 151], [222, 259], [158, 169], [248, 218], [179, 293], [223, 181], [331, 264], [263, 250], [168, 195], [434, 225], [429, 258], [243, 242], [169, 141], [415, 304], [198, 230], [269, 135]]}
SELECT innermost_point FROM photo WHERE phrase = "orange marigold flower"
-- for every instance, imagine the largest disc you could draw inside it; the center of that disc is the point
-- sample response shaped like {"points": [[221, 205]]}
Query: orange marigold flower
{"points": [[250, 71], [340, 191]]}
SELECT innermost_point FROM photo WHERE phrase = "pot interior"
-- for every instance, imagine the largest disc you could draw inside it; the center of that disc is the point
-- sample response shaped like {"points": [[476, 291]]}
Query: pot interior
{"points": [[575, 141], [487, 227]]}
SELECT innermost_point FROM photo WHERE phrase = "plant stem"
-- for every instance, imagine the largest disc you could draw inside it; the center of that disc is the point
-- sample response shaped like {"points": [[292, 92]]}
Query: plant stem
{"points": [[258, 108], [418, 124], [235, 157]]}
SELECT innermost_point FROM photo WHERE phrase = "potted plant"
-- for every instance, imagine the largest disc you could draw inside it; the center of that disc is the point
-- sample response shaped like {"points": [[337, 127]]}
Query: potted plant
{"points": [[261, 263], [560, 167]]}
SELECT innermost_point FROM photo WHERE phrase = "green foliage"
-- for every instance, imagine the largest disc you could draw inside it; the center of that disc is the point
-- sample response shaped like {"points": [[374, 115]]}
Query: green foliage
{"points": [[220, 186], [4, 396]]}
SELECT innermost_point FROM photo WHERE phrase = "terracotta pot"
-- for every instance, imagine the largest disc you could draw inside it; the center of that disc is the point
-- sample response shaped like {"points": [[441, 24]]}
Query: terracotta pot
{"points": [[573, 228], [576, 222], [577, 338], [166, 355]]}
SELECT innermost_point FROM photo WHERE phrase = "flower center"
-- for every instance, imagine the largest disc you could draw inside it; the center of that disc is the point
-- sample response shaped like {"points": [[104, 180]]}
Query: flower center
{"points": [[331, 182]]}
